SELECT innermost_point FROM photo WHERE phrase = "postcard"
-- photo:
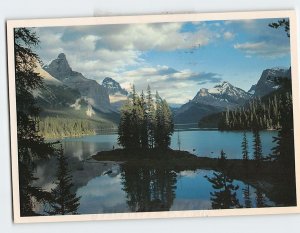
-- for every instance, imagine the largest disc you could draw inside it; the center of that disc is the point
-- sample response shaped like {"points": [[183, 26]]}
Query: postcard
{"points": [[154, 116]]}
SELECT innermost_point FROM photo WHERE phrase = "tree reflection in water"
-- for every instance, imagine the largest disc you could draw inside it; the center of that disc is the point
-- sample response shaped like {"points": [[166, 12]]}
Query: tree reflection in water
{"points": [[148, 189], [260, 199], [225, 195], [246, 195]]}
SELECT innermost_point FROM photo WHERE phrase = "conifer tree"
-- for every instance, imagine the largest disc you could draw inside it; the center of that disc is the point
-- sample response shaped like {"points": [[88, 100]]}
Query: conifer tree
{"points": [[144, 124], [124, 130], [31, 146], [135, 121], [168, 125], [150, 112], [245, 152], [257, 147], [63, 200]]}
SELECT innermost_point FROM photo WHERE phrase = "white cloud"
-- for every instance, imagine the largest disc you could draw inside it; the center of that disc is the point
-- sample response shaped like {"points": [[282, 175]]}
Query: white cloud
{"points": [[177, 86], [228, 35], [263, 49], [96, 50]]}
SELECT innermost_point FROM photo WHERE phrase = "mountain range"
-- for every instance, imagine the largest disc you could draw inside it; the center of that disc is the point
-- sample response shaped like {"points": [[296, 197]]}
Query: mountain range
{"points": [[226, 96], [70, 93]]}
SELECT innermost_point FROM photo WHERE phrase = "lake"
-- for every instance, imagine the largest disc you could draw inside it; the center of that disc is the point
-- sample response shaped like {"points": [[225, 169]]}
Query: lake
{"points": [[207, 143], [111, 187]]}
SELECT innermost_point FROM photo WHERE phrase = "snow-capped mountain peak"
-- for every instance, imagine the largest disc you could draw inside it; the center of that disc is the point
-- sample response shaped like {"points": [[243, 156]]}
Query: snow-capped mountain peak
{"points": [[266, 84], [221, 88], [113, 87], [222, 95]]}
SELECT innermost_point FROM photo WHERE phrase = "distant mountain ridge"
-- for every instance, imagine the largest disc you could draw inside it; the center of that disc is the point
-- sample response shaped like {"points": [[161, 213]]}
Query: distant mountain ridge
{"points": [[95, 94], [265, 84], [222, 95], [210, 101]]}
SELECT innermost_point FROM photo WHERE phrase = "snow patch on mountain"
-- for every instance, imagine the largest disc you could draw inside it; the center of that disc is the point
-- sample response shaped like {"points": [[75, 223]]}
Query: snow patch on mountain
{"points": [[222, 95]]}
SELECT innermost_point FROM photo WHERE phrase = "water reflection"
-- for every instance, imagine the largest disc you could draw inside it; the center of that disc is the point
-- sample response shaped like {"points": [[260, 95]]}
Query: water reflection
{"points": [[109, 187], [246, 195], [202, 143], [148, 189], [224, 196]]}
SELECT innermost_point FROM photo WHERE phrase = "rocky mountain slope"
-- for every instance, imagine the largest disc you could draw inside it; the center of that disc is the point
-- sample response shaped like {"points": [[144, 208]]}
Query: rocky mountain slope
{"points": [[266, 84], [91, 91], [113, 87], [209, 101]]}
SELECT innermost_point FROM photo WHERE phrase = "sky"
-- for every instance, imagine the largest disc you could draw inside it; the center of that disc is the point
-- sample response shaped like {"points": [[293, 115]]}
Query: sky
{"points": [[176, 59]]}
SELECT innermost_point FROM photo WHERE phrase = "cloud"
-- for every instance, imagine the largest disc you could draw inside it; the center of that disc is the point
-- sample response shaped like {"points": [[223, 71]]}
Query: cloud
{"points": [[263, 49], [228, 35], [177, 86], [261, 40], [98, 50]]}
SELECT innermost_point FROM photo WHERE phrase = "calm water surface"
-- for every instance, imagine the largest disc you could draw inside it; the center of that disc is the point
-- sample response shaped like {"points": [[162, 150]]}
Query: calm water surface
{"points": [[132, 189], [200, 142]]}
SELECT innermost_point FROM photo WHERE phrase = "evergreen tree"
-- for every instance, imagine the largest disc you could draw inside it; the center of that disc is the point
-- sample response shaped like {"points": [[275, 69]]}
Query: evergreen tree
{"points": [[284, 152], [125, 133], [150, 115], [178, 140], [257, 147], [158, 132], [63, 200], [31, 146], [144, 125], [135, 120], [164, 127], [245, 152], [285, 23], [168, 125], [222, 162]]}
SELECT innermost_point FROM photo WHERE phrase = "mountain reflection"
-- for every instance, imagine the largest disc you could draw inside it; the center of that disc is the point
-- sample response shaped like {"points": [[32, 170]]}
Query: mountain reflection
{"points": [[148, 189]]}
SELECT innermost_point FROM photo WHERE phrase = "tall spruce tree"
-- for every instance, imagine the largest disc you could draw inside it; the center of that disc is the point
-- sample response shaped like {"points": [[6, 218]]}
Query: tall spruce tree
{"points": [[245, 152], [257, 147], [31, 146], [125, 133], [135, 120], [144, 124], [168, 125], [63, 200], [150, 114], [164, 126]]}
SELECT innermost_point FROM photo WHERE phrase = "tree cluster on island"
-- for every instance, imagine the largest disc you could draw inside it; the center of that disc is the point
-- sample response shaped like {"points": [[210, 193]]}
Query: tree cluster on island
{"points": [[145, 123]]}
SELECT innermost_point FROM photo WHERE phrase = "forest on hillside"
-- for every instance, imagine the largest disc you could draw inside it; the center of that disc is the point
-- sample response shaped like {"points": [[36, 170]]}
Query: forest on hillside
{"points": [[57, 127]]}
